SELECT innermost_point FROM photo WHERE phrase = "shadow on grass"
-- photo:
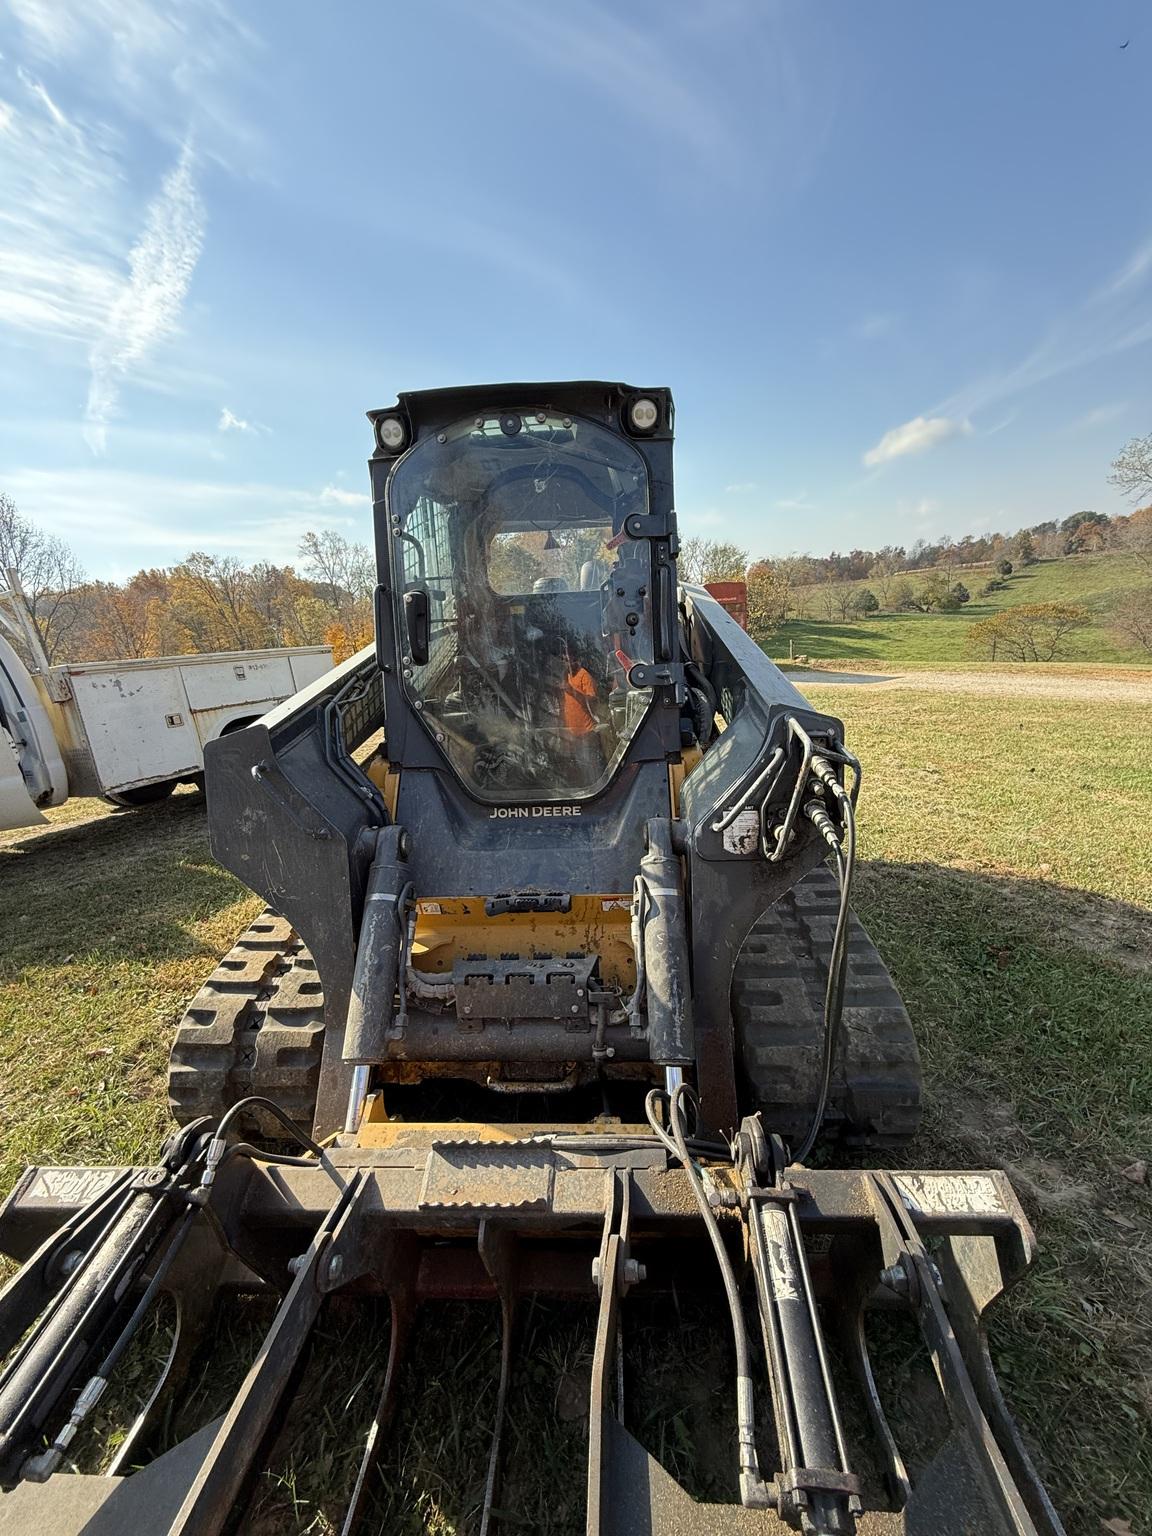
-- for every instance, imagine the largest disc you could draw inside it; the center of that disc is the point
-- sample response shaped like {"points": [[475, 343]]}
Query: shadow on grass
{"points": [[109, 928], [125, 887], [1033, 1006]]}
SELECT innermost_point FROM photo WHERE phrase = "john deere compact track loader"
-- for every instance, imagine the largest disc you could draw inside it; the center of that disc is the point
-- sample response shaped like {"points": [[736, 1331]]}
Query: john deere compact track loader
{"points": [[559, 994]]}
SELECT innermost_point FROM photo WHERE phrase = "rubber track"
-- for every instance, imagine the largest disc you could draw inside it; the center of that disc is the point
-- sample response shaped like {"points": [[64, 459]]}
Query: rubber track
{"points": [[778, 1011], [255, 1026]]}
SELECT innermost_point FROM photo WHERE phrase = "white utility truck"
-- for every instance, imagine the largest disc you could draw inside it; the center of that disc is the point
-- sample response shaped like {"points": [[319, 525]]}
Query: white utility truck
{"points": [[127, 730]]}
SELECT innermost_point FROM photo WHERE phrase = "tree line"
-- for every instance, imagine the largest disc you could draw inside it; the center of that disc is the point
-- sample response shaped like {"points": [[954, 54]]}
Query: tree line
{"points": [[942, 575], [212, 602], [205, 603]]}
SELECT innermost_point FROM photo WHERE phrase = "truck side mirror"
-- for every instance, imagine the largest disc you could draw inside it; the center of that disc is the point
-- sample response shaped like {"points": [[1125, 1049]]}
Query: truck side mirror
{"points": [[416, 618]]}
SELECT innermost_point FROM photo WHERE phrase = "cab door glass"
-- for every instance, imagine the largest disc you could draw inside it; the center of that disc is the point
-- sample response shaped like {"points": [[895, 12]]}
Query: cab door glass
{"points": [[538, 600]]}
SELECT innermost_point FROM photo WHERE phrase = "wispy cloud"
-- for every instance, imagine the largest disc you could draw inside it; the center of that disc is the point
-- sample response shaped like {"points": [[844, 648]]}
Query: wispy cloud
{"points": [[338, 496], [1116, 318], [1130, 275], [89, 267], [1101, 415], [873, 327], [148, 310], [742, 488], [798, 503], [38, 90], [629, 64], [230, 422], [164, 61], [915, 436], [58, 270], [118, 519]]}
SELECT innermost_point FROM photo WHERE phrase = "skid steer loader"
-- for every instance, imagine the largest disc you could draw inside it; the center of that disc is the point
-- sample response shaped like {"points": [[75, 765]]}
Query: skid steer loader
{"points": [[559, 994]]}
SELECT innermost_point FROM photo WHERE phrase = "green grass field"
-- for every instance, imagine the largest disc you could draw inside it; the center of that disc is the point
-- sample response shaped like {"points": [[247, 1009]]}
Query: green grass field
{"points": [[1007, 879], [1088, 580]]}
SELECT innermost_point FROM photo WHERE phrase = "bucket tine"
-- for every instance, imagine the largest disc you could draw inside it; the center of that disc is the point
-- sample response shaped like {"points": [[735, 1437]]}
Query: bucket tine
{"points": [[221, 1478], [492, 1482], [500, 1253], [403, 1311], [194, 1293], [856, 1348]]}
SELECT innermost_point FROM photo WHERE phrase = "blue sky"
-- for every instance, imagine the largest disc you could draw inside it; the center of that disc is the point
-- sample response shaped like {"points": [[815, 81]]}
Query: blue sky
{"points": [[894, 260]]}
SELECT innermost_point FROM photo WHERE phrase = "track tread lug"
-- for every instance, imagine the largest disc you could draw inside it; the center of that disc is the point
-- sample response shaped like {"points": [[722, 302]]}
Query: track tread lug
{"points": [[778, 1011]]}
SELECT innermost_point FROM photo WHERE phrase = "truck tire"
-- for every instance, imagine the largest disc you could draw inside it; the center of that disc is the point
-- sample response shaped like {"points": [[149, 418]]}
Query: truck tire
{"points": [[255, 1027], [141, 794], [778, 1013]]}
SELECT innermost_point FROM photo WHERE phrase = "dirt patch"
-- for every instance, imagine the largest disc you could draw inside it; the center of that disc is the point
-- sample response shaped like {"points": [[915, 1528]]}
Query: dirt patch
{"points": [[1109, 689], [1046, 1185]]}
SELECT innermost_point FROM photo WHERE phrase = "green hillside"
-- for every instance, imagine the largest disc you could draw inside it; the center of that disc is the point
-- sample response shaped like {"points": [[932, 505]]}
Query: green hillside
{"points": [[1092, 581]]}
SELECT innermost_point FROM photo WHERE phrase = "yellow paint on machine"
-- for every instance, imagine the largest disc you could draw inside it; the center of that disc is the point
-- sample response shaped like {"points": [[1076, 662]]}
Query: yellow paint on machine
{"points": [[451, 928], [377, 1130]]}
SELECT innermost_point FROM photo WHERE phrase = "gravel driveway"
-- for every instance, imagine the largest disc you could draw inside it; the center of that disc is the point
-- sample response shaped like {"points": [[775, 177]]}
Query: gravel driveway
{"points": [[1043, 686]]}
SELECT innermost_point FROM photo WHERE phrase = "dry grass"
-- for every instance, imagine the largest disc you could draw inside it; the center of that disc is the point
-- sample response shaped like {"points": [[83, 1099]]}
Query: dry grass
{"points": [[1080, 671], [1008, 882], [1009, 886], [110, 923]]}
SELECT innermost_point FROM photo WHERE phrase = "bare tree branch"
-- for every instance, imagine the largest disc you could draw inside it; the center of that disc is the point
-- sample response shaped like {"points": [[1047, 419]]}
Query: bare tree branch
{"points": [[48, 571]]}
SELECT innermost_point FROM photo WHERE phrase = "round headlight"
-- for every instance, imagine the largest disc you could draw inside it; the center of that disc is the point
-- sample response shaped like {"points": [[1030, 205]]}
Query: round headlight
{"points": [[391, 433], [644, 414]]}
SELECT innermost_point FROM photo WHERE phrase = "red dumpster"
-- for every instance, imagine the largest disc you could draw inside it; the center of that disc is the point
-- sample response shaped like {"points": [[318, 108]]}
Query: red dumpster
{"points": [[733, 597]]}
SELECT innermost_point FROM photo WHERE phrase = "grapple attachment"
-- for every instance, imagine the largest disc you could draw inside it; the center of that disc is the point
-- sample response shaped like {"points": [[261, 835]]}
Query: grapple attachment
{"points": [[610, 1215]]}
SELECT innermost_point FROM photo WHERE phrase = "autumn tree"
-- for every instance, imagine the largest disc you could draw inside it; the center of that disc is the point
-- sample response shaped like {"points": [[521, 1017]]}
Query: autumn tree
{"points": [[513, 565], [118, 621], [1086, 533], [843, 599], [903, 596], [937, 593], [48, 573], [883, 570], [1131, 617], [1029, 631], [769, 598], [702, 560], [1024, 548], [1136, 536], [344, 577], [1132, 468], [345, 572]]}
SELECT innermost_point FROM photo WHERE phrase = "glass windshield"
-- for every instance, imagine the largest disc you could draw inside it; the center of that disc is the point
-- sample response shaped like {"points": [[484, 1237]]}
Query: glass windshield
{"points": [[510, 528]]}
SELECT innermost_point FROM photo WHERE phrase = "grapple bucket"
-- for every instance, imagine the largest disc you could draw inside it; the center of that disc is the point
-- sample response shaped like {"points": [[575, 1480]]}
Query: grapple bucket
{"points": [[605, 1220]]}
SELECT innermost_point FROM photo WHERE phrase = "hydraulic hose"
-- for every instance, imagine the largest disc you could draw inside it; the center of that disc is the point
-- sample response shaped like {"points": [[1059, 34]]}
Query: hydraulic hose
{"points": [[838, 960], [753, 1493]]}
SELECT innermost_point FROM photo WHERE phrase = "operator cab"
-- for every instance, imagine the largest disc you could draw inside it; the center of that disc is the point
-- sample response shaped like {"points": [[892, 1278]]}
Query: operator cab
{"points": [[521, 599]]}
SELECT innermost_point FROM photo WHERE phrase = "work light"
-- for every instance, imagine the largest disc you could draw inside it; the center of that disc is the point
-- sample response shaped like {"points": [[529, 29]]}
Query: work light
{"points": [[391, 433], [643, 414]]}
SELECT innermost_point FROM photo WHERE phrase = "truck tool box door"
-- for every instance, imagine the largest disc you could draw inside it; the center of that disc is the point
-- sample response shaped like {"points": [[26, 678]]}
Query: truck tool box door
{"points": [[224, 688], [138, 723]]}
